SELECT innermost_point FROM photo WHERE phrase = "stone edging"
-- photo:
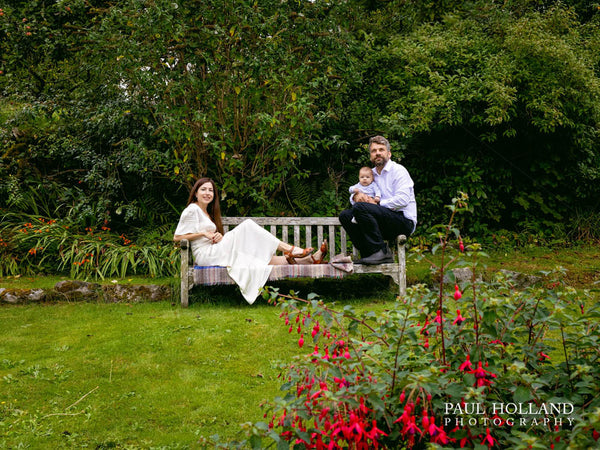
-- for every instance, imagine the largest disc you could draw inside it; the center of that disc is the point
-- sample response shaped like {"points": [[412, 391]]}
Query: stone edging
{"points": [[75, 290]]}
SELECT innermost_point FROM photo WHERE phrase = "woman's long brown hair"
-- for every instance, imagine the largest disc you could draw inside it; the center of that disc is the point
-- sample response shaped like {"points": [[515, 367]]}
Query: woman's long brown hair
{"points": [[214, 207]]}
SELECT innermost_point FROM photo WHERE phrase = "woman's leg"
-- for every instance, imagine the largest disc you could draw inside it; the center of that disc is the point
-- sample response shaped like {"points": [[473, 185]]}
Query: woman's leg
{"points": [[316, 256], [283, 260], [286, 248], [278, 261]]}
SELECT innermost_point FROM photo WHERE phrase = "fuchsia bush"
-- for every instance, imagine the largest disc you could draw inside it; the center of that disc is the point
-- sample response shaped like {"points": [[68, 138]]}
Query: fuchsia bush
{"points": [[480, 365]]}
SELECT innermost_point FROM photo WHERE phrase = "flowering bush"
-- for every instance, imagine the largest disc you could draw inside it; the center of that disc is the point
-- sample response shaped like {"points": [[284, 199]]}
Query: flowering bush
{"points": [[42, 244], [472, 364]]}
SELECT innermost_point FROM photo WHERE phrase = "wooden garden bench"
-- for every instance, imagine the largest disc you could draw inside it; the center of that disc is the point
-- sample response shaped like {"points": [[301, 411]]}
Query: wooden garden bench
{"points": [[305, 232]]}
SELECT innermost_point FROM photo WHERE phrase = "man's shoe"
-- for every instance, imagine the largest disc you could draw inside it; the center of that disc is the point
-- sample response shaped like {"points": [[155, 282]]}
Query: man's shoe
{"points": [[379, 257]]}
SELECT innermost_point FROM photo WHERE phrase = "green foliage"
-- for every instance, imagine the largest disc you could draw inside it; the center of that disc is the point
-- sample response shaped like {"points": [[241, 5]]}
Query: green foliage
{"points": [[503, 107], [170, 92], [117, 107]]}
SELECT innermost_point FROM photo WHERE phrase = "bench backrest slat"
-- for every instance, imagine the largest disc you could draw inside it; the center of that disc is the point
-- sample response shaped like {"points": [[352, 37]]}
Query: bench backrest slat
{"points": [[302, 227], [284, 233]]}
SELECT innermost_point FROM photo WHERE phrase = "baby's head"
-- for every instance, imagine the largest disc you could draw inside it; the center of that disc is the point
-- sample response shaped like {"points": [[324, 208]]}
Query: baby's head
{"points": [[365, 176]]}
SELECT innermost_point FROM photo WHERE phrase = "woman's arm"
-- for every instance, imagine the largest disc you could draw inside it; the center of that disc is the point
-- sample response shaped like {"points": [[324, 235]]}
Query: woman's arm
{"points": [[190, 236], [193, 225], [213, 236]]}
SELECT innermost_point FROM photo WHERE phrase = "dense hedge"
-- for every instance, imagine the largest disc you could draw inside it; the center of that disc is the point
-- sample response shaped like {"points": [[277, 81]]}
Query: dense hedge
{"points": [[110, 110]]}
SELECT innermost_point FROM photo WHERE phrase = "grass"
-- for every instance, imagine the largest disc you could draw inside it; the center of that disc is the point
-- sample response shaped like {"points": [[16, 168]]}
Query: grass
{"points": [[137, 376], [154, 375], [582, 263], [149, 375]]}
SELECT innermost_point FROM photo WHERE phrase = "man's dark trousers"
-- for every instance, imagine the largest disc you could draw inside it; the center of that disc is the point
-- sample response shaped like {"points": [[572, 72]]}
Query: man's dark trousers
{"points": [[375, 224]]}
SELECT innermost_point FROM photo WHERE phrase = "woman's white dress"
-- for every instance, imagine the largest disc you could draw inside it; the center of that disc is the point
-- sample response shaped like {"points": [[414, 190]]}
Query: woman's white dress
{"points": [[245, 251]]}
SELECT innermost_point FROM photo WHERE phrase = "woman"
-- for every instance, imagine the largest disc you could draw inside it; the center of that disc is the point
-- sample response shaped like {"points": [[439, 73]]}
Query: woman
{"points": [[248, 251]]}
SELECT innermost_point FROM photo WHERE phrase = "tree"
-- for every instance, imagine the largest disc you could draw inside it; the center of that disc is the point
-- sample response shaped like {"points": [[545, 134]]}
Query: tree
{"points": [[503, 107], [161, 93]]}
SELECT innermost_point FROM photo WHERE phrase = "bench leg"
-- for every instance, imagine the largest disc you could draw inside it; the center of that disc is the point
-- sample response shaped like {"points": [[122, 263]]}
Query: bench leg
{"points": [[400, 241], [185, 279], [184, 292]]}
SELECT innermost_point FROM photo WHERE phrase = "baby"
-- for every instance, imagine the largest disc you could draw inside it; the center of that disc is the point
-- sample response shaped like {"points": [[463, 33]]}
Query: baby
{"points": [[366, 185]]}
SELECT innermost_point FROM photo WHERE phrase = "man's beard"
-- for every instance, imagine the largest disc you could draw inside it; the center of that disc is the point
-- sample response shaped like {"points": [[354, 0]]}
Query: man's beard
{"points": [[380, 162]]}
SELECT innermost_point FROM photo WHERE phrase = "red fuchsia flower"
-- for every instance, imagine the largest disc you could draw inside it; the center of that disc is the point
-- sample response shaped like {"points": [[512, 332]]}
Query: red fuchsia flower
{"points": [[301, 341], [467, 365], [406, 414], [457, 293], [489, 440], [357, 428], [341, 382], [324, 413], [459, 318], [424, 331], [482, 376], [411, 428], [497, 419], [581, 308], [543, 356], [438, 317], [374, 433], [425, 420], [461, 245], [315, 330], [595, 434], [438, 435], [402, 397], [363, 409]]}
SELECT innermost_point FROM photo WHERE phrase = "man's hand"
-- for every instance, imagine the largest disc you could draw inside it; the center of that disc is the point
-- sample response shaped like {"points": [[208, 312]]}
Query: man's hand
{"points": [[361, 197]]}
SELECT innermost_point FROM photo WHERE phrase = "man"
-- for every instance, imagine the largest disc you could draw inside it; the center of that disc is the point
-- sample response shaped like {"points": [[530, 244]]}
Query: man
{"points": [[369, 224]]}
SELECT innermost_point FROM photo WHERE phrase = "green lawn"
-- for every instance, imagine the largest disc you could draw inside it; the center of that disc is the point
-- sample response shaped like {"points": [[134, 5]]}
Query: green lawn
{"points": [[143, 375], [154, 375]]}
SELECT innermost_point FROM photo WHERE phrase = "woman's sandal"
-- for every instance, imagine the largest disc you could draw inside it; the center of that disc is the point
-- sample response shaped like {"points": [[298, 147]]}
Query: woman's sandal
{"points": [[323, 249], [291, 258]]}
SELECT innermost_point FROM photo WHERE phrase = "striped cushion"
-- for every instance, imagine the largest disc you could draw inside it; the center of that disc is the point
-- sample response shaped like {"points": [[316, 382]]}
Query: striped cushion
{"points": [[213, 275]]}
